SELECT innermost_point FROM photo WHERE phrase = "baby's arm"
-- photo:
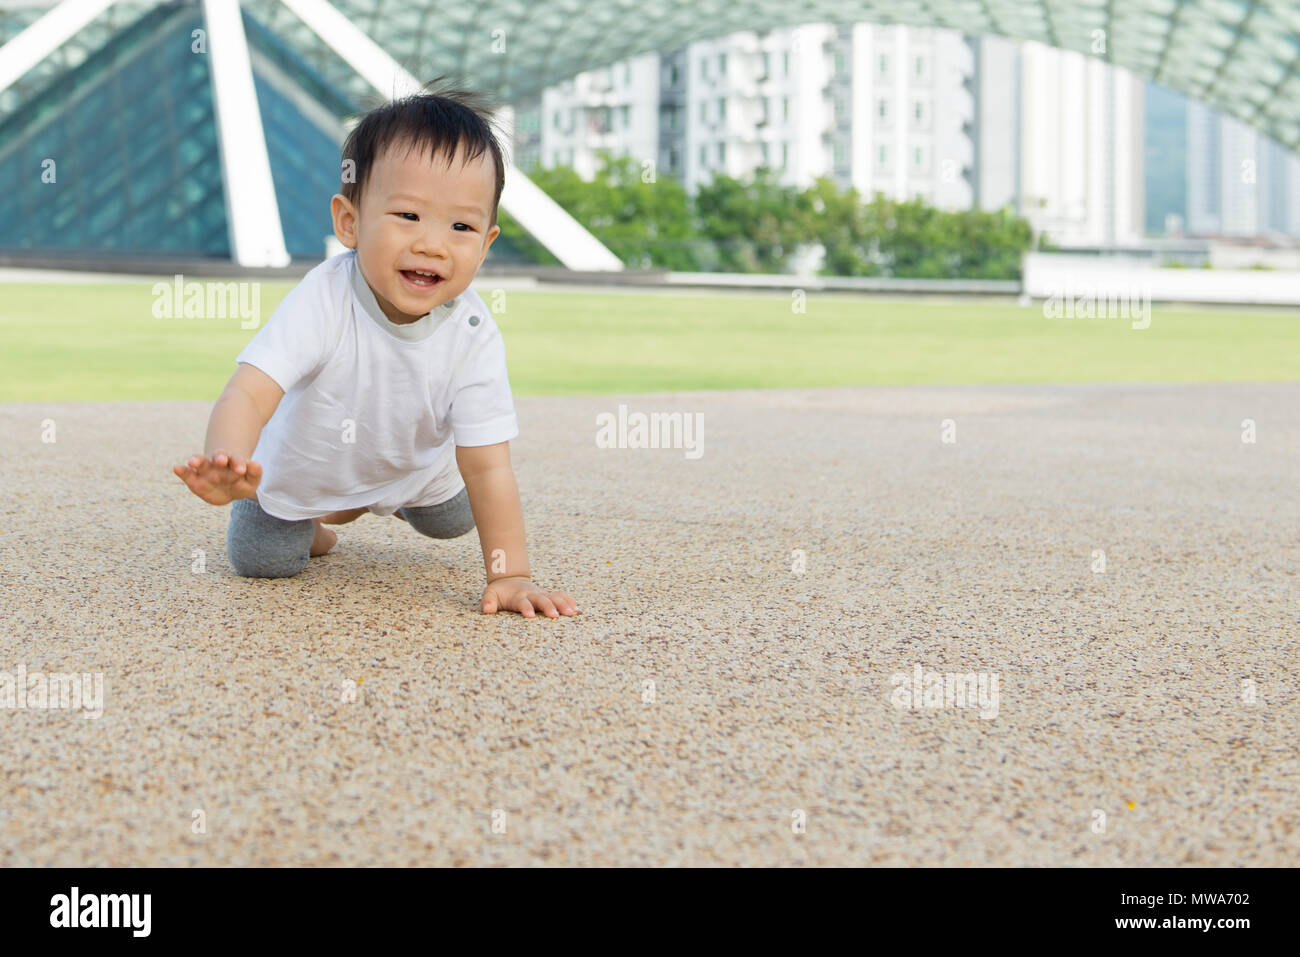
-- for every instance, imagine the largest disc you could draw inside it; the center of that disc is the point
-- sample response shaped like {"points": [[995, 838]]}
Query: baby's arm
{"points": [[494, 500], [224, 472]]}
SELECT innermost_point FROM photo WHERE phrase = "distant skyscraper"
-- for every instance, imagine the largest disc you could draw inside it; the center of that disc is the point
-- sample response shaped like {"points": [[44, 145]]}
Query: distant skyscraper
{"points": [[1239, 182], [912, 113], [777, 100], [883, 109], [1204, 171], [672, 113], [1081, 146], [615, 109], [1165, 160], [995, 127]]}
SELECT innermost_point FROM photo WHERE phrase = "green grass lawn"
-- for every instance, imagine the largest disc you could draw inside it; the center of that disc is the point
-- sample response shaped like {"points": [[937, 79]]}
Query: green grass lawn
{"points": [[102, 342]]}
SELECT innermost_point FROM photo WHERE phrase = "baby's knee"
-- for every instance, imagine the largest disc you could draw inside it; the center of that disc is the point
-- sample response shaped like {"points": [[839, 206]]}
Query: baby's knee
{"points": [[261, 546], [250, 560], [450, 519]]}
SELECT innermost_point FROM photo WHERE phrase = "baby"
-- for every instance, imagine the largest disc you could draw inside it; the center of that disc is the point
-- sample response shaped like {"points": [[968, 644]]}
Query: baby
{"points": [[379, 384]]}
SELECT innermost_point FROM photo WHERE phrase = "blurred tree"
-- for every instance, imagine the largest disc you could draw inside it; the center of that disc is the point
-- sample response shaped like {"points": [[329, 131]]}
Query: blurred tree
{"points": [[643, 218], [754, 226], [845, 227], [758, 226]]}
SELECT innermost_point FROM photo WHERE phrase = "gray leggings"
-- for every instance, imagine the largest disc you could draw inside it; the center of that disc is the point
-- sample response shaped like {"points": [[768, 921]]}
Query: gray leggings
{"points": [[263, 546]]}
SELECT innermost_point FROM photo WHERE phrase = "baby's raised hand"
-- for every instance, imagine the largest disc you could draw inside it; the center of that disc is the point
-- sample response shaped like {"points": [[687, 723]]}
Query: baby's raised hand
{"points": [[221, 479], [521, 595]]}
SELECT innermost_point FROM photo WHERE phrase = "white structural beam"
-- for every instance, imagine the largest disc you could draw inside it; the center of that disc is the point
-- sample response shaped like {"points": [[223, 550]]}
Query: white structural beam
{"points": [[360, 52], [566, 238], [256, 236], [551, 225], [45, 36]]}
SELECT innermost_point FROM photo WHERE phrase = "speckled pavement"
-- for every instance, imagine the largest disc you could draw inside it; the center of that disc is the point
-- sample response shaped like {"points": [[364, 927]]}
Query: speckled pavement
{"points": [[365, 713]]}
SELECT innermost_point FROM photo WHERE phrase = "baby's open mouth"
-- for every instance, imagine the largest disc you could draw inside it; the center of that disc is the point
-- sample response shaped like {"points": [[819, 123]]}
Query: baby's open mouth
{"points": [[420, 278]]}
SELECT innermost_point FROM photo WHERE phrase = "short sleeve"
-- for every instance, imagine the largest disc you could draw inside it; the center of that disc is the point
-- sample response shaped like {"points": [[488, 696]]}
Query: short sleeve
{"points": [[296, 340], [483, 410]]}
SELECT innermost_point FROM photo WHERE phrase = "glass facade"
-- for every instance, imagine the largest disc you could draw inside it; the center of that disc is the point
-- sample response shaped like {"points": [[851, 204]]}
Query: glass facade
{"points": [[118, 161], [120, 154]]}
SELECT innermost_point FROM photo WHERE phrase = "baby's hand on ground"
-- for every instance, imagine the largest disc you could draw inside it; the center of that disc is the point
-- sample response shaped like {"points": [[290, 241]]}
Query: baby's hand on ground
{"points": [[521, 595], [221, 479]]}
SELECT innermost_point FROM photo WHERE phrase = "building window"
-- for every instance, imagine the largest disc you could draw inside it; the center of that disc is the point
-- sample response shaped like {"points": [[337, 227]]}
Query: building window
{"points": [[920, 66], [673, 159], [722, 154], [785, 108], [704, 156], [785, 62], [763, 152], [882, 156], [625, 115], [627, 74], [841, 155], [918, 157], [722, 108], [767, 65], [704, 113], [882, 64], [918, 112], [555, 120], [785, 155], [722, 64], [674, 75], [882, 109]]}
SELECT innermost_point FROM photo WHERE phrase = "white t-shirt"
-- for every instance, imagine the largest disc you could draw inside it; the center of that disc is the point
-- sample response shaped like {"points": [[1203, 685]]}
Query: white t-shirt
{"points": [[373, 410]]}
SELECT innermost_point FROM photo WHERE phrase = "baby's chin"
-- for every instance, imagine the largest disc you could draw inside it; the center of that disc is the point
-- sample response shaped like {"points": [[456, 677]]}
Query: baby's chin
{"points": [[417, 306]]}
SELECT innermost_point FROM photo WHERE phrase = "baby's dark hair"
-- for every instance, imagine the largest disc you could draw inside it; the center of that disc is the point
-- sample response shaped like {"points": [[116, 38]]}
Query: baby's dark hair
{"points": [[437, 121]]}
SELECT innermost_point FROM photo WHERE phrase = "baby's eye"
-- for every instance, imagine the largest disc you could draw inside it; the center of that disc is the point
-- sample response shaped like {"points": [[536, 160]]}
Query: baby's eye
{"points": [[457, 227], [410, 217]]}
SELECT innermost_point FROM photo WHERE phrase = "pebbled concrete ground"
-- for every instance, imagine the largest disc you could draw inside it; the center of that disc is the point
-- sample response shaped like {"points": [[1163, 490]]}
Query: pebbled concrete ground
{"points": [[365, 713]]}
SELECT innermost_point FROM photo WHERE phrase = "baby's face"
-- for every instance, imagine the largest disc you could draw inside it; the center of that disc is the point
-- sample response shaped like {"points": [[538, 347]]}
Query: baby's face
{"points": [[420, 215]]}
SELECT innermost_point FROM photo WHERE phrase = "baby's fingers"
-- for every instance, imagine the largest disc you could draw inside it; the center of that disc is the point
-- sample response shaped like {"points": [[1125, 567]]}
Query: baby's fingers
{"points": [[186, 473], [193, 481], [564, 604], [544, 605]]}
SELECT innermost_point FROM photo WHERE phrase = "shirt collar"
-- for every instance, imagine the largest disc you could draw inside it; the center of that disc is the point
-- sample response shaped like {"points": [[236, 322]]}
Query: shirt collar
{"points": [[422, 328]]}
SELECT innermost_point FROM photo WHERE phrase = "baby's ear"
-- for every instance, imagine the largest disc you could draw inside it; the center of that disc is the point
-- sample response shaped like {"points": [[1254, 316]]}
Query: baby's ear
{"points": [[344, 215], [488, 240]]}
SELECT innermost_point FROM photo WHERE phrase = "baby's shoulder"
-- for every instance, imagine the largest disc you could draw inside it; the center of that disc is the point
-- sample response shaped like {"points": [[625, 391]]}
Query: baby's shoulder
{"points": [[470, 301], [327, 281], [470, 325]]}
